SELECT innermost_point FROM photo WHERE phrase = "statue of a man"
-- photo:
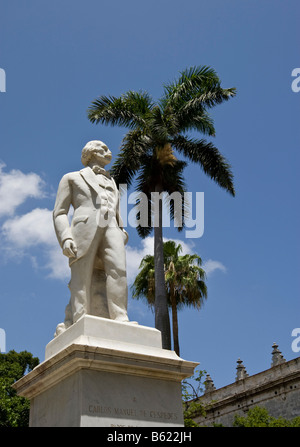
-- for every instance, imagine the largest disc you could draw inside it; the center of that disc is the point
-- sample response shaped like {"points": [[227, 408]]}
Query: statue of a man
{"points": [[95, 240]]}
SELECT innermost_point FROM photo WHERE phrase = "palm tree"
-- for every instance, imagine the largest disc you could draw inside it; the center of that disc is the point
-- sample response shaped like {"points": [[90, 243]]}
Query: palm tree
{"points": [[147, 151], [184, 279]]}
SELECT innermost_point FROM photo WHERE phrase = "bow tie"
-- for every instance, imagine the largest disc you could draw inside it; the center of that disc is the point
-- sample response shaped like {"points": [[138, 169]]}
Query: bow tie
{"points": [[99, 170]]}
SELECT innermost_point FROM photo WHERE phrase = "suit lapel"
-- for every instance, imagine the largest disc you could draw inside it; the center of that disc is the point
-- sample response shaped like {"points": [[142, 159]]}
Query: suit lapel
{"points": [[89, 176]]}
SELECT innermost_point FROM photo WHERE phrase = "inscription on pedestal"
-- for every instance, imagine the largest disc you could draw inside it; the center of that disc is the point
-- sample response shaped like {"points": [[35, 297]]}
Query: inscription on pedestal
{"points": [[131, 413]]}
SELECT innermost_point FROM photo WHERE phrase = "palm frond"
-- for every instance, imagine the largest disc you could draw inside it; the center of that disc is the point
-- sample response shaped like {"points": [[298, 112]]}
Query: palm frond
{"points": [[143, 286], [194, 117], [188, 85], [145, 184], [197, 89], [143, 215], [209, 158], [156, 126], [216, 96], [183, 274], [171, 250], [128, 110], [130, 158]]}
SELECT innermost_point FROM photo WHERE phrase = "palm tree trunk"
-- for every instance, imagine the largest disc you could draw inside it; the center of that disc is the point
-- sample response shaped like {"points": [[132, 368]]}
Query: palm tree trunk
{"points": [[162, 320], [174, 321]]}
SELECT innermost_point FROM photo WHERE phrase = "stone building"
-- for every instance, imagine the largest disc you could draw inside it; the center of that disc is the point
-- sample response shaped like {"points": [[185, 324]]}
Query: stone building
{"points": [[277, 389]]}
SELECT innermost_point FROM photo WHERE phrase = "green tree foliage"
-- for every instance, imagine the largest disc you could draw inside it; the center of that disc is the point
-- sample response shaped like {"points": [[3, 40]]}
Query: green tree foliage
{"points": [[184, 280], [192, 389], [156, 130], [260, 417], [14, 410]]}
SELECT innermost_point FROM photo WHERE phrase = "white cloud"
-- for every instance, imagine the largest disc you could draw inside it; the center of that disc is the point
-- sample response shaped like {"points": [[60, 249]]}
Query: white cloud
{"points": [[16, 187], [211, 266], [58, 264], [30, 229], [134, 256], [22, 233]]}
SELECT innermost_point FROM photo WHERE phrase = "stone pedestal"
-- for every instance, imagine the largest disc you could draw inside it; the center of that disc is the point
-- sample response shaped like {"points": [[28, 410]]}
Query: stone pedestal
{"points": [[103, 373]]}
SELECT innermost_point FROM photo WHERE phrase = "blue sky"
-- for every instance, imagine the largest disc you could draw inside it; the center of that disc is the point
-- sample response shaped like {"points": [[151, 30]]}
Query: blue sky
{"points": [[58, 57]]}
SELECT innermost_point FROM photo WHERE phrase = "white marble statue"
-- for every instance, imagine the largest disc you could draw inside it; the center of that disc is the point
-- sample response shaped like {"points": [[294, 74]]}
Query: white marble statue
{"points": [[95, 240]]}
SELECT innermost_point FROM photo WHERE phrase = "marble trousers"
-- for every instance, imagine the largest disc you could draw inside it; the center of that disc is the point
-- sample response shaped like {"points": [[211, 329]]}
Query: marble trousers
{"points": [[98, 282]]}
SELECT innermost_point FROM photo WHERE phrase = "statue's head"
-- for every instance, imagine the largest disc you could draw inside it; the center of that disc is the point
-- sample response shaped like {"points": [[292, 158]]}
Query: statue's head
{"points": [[96, 151]]}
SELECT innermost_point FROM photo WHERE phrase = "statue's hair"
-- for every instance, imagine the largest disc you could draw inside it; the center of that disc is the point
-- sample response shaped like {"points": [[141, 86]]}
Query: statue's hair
{"points": [[87, 151]]}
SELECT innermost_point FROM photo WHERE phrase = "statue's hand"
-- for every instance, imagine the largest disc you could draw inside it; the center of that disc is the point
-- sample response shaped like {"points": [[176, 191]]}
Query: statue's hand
{"points": [[69, 248]]}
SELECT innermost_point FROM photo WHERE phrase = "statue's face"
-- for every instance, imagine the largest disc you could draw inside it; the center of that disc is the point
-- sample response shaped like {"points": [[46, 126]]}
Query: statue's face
{"points": [[101, 154]]}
